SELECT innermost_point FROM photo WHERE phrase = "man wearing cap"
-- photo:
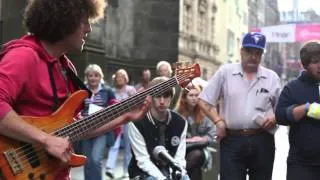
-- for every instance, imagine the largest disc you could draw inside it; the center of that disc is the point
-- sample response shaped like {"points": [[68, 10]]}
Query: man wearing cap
{"points": [[299, 108], [247, 94]]}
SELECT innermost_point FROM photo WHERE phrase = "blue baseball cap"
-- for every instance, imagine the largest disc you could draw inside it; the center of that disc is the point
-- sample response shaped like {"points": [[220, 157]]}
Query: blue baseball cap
{"points": [[254, 40]]}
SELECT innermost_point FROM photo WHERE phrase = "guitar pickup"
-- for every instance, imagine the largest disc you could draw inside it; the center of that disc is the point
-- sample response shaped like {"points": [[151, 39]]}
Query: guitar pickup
{"points": [[13, 161]]}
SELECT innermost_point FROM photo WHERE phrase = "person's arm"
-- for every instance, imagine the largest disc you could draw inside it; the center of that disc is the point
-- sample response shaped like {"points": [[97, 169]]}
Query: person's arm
{"points": [[209, 97], [212, 113], [139, 148], [12, 126], [14, 74], [180, 155], [287, 111], [270, 120]]}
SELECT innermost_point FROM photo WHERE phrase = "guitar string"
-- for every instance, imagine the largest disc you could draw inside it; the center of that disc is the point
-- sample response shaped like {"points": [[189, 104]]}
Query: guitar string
{"points": [[139, 94], [102, 114], [40, 155], [85, 120]]}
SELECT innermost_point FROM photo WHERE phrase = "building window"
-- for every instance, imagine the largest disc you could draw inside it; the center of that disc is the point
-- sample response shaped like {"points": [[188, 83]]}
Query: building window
{"points": [[202, 18], [212, 28], [187, 18], [205, 73], [230, 44], [114, 3], [202, 24], [245, 18]]}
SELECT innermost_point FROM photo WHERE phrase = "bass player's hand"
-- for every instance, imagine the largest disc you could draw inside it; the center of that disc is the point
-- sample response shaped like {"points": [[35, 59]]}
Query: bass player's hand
{"points": [[138, 112], [58, 147]]}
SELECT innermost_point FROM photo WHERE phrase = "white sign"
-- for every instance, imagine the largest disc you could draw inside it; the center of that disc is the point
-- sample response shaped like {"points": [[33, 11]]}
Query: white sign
{"points": [[280, 33]]}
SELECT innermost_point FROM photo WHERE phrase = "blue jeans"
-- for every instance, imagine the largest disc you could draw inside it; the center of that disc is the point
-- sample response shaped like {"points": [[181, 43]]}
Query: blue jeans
{"points": [[242, 155], [93, 148], [114, 150]]}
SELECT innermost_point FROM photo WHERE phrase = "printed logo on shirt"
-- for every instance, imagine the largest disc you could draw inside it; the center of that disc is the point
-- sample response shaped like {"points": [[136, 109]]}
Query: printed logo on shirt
{"points": [[175, 141]]}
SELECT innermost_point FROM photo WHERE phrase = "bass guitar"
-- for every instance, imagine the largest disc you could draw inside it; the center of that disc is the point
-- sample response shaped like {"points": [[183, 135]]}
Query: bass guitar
{"points": [[23, 161]]}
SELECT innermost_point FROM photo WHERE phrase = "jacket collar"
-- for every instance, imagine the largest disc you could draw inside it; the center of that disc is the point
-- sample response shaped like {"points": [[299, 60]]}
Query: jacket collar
{"points": [[305, 77]]}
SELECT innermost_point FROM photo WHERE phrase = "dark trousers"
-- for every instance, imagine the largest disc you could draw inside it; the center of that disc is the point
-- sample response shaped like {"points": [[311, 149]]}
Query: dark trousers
{"points": [[195, 159], [251, 154], [302, 172]]}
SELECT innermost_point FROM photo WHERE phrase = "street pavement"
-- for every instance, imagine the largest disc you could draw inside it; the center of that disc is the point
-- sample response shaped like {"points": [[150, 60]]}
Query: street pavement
{"points": [[77, 173], [279, 168], [282, 148]]}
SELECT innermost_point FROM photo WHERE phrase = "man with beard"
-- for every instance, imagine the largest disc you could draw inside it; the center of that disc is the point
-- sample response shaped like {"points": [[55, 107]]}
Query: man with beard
{"points": [[299, 108], [247, 94]]}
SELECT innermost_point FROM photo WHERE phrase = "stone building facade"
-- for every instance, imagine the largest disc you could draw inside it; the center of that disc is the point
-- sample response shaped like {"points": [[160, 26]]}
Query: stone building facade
{"points": [[197, 34]]}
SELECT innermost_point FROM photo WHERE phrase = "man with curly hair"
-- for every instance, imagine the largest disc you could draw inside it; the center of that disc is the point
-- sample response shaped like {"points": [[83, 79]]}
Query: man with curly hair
{"points": [[35, 72]]}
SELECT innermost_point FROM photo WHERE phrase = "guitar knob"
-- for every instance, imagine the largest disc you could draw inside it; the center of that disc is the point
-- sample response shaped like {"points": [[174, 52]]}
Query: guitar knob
{"points": [[31, 176], [42, 176]]}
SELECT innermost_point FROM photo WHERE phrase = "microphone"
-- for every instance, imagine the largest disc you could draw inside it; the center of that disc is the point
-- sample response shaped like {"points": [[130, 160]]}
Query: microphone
{"points": [[160, 153]]}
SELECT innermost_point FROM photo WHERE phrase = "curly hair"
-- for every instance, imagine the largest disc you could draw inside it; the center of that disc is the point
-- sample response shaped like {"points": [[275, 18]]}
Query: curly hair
{"points": [[181, 106], [53, 20]]}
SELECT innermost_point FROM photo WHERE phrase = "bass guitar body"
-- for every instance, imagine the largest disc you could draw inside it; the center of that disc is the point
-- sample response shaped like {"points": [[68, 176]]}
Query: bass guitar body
{"points": [[23, 161]]}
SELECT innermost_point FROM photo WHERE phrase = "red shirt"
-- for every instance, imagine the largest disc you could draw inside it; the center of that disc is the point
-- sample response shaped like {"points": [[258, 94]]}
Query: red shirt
{"points": [[25, 82]]}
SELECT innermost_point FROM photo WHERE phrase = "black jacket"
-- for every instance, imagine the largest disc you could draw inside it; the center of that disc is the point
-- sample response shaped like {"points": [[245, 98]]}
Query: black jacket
{"points": [[304, 135], [144, 135]]}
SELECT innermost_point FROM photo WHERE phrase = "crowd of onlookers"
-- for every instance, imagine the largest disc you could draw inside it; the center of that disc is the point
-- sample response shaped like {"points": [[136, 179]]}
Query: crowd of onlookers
{"points": [[200, 130], [165, 136]]}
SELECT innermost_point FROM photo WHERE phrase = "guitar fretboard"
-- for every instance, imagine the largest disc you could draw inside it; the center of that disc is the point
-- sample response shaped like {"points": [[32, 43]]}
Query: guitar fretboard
{"points": [[98, 119]]}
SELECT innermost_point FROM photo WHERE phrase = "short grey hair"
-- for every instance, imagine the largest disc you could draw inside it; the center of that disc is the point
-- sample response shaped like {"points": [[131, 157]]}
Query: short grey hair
{"points": [[166, 63]]}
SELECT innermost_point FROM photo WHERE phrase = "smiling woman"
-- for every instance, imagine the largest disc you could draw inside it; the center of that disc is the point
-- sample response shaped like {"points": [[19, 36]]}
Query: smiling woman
{"points": [[93, 75], [102, 96]]}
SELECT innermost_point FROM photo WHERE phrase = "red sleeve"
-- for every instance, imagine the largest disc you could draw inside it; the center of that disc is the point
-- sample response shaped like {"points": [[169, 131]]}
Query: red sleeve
{"points": [[112, 102], [15, 71]]}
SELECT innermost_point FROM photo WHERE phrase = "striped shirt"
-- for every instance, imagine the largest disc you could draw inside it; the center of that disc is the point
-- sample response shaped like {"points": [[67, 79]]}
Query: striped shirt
{"points": [[96, 99]]}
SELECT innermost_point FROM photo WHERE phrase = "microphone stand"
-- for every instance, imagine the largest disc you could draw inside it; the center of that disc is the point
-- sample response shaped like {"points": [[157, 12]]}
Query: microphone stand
{"points": [[176, 173]]}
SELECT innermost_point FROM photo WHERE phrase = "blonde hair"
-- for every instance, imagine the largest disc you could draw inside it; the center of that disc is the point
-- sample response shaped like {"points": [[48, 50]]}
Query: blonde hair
{"points": [[122, 72], [166, 64], [93, 68]]}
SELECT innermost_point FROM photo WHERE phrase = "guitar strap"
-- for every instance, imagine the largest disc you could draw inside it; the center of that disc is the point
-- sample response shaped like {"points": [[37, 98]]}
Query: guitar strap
{"points": [[54, 87], [78, 84]]}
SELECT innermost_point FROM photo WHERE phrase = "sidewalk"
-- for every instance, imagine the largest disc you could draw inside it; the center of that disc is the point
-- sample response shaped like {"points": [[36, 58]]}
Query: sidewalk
{"points": [[77, 173]]}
